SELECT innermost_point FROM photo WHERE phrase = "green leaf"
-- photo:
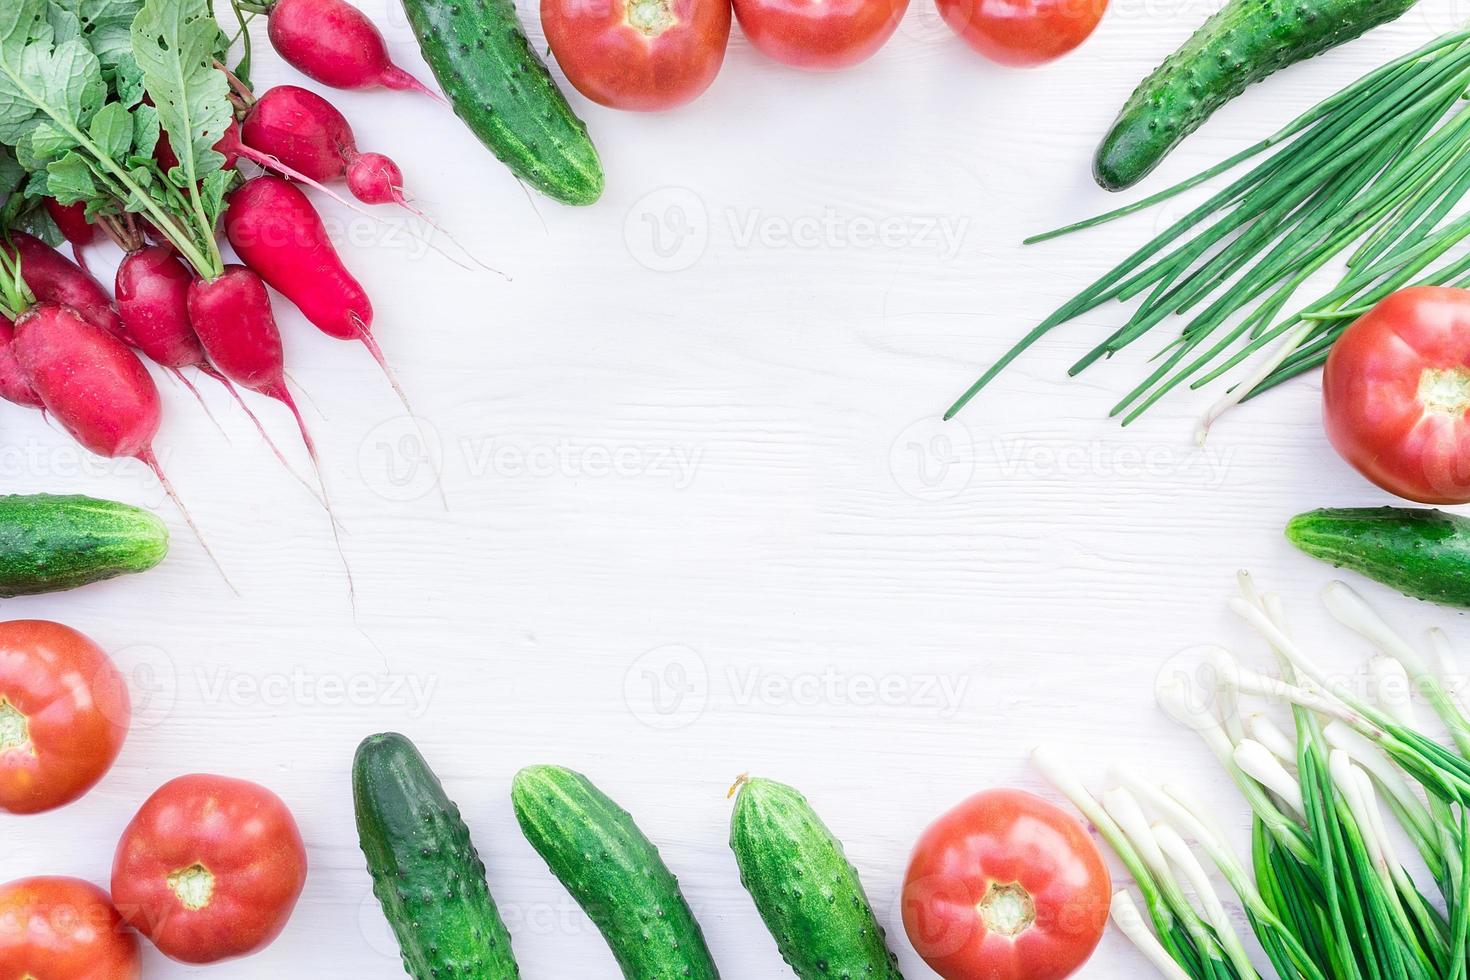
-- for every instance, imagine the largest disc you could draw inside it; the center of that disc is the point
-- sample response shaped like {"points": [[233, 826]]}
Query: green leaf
{"points": [[106, 25], [61, 82], [12, 174], [213, 192], [70, 179], [127, 81], [174, 43], [145, 133], [112, 130], [44, 143]]}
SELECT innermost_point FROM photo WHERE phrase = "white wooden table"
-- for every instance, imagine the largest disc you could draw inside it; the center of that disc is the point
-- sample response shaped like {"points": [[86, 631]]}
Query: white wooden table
{"points": [[701, 517]]}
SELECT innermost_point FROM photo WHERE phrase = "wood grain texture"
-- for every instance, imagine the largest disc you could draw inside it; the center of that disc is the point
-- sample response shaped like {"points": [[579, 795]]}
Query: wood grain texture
{"points": [[702, 521]]}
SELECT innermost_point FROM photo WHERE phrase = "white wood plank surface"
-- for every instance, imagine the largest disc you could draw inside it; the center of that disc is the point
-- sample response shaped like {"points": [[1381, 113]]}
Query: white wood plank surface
{"points": [[699, 505]]}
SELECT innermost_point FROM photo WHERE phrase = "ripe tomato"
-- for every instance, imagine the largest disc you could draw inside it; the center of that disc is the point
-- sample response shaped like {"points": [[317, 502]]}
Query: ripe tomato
{"points": [[64, 929], [1396, 392], [1023, 33], [64, 713], [644, 55], [1006, 886], [210, 868], [822, 35]]}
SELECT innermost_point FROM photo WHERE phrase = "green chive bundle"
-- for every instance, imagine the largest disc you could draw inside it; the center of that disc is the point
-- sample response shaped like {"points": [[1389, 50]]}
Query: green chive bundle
{"points": [[1373, 172], [1325, 894]]}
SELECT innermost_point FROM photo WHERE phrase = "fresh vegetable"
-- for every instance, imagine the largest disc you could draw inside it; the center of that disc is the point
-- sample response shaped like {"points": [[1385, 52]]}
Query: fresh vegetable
{"points": [[71, 221], [826, 930], [1396, 390], [64, 714], [1325, 889], [1006, 886], [53, 278], [1246, 41], [305, 132], [64, 929], [1023, 35], [820, 35], [1422, 553], [152, 299], [642, 55], [15, 387], [50, 543], [336, 44], [614, 872], [209, 869], [274, 228], [426, 872], [500, 87], [1374, 171]]}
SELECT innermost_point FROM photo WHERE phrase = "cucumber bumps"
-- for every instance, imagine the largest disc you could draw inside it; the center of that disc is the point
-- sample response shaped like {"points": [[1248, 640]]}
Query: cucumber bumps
{"points": [[49, 543], [1239, 46], [479, 53], [804, 887], [425, 871], [614, 872]]}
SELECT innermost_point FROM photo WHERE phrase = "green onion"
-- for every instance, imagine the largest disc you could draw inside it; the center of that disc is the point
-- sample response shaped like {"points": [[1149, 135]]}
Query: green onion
{"points": [[1372, 173]]}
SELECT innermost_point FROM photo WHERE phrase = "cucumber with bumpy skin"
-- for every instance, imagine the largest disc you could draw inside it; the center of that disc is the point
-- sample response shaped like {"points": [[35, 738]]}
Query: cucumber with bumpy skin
{"points": [[806, 890], [50, 543], [1239, 46], [615, 874], [1424, 554], [503, 91], [426, 873]]}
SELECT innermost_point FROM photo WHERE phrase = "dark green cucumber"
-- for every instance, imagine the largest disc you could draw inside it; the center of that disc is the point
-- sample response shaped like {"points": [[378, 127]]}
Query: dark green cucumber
{"points": [[804, 887], [425, 870], [498, 85], [1422, 553], [50, 544], [1239, 46], [614, 872]]}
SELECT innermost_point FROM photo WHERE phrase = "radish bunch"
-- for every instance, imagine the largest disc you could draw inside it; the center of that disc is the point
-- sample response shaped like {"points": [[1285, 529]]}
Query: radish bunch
{"points": [[157, 172]]}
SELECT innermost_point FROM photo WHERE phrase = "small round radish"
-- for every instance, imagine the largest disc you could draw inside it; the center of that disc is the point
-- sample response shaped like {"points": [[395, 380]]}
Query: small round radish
{"points": [[152, 298], [14, 386], [334, 43], [71, 221], [53, 278], [308, 134]]}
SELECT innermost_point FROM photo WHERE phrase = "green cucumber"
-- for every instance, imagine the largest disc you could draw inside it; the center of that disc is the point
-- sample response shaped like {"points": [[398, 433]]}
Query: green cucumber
{"points": [[426, 873], [50, 543], [498, 85], [614, 872], [804, 887], [1422, 553], [1239, 46]]}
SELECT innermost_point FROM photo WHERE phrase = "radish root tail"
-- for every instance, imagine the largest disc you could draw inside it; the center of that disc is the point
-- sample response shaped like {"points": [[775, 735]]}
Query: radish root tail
{"points": [[189, 386], [209, 370], [402, 200], [151, 461]]}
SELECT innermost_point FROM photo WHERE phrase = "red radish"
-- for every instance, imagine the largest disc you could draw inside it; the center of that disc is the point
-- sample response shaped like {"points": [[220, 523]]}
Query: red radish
{"points": [[334, 43], [14, 386], [153, 300], [71, 221], [54, 278], [96, 387]]}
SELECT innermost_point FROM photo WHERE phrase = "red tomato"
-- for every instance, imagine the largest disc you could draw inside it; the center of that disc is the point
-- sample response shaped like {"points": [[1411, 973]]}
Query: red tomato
{"points": [[1023, 33], [644, 55], [64, 713], [64, 929], [823, 35], [210, 868], [1396, 391], [1006, 886]]}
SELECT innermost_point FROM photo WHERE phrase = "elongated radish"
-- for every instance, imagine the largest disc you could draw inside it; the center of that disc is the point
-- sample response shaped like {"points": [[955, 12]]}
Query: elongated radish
{"points": [[153, 301], [54, 278], [336, 44], [97, 388], [71, 221], [14, 385]]}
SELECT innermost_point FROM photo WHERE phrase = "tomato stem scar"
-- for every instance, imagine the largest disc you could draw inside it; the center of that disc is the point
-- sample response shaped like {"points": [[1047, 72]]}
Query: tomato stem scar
{"points": [[193, 885], [1007, 910]]}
